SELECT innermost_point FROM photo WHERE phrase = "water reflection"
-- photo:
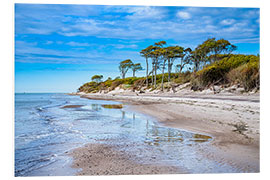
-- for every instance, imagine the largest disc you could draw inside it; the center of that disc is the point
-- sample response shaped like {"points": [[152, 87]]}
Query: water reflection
{"points": [[123, 115], [96, 107], [142, 138], [151, 132]]}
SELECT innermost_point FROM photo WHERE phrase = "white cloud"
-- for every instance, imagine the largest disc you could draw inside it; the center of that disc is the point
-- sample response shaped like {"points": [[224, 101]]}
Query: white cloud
{"points": [[183, 15], [122, 46], [140, 23], [145, 12], [246, 40], [227, 21], [29, 53], [207, 19]]}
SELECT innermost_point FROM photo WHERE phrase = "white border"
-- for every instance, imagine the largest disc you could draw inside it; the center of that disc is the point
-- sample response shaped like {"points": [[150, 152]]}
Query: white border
{"points": [[201, 3]]}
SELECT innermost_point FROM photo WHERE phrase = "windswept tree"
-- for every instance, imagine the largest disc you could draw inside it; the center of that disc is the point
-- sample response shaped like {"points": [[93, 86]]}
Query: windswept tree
{"points": [[136, 67], [173, 53], [146, 54], [124, 67], [97, 78], [185, 59], [214, 47], [156, 54], [197, 57], [163, 53]]}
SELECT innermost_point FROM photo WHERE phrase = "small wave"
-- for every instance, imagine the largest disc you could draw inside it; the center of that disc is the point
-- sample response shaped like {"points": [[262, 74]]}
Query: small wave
{"points": [[31, 136], [35, 164], [39, 109]]}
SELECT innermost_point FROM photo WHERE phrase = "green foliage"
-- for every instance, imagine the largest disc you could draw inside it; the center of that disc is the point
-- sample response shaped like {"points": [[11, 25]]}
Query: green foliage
{"points": [[214, 56], [214, 47], [247, 75], [136, 67], [116, 83], [88, 87], [130, 80], [243, 69], [97, 78], [124, 66], [217, 71], [183, 77], [108, 83]]}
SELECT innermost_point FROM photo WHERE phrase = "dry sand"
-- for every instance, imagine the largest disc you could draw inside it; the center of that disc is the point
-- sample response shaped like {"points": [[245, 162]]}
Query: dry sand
{"points": [[233, 121]]}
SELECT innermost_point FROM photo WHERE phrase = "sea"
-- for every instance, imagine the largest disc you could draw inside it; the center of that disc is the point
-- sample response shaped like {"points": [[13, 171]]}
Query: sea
{"points": [[50, 125]]}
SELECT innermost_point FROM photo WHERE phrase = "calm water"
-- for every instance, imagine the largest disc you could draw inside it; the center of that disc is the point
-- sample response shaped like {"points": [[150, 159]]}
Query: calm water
{"points": [[45, 132]]}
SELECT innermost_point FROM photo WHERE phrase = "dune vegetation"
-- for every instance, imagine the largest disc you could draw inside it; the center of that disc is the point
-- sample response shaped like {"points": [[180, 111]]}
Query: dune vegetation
{"points": [[210, 63]]}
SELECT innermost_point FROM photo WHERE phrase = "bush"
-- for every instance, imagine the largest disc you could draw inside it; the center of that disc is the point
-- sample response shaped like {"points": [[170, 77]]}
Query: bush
{"points": [[138, 83], [234, 74], [116, 83], [108, 83], [247, 75], [183, 77], [89, 87], [196, 84], [233, 69], [217, 72], [130, 80]]}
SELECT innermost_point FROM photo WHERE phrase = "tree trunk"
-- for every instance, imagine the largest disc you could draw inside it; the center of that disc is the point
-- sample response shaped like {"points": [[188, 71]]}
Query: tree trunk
{"points": [[123, 74], [169, 70], [133, 73], [146, 72], [155, 80], [152, 76], [162, 76]]}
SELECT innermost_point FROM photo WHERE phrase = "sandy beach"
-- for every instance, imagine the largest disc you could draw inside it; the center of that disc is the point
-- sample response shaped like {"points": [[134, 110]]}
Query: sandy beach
{"points": [[232, 120]]}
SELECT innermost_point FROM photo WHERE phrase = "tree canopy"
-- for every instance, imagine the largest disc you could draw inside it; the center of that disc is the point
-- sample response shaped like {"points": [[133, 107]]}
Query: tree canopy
{"points": [[125, 66], [97, 78], [136, 67]]}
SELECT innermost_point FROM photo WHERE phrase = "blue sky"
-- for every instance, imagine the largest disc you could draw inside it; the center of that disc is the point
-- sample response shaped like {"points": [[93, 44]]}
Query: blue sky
{"points": [[59, 47]]}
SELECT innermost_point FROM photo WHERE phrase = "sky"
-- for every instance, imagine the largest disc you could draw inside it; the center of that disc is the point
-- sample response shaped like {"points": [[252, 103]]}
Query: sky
{"points": [[60, 47]]}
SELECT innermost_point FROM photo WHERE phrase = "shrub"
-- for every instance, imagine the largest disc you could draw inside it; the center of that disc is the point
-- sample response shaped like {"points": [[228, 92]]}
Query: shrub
{"points": [[108, 83], [217, 71], [247, 75], [89, 87], [116, 83], [130, 80], [234, 74], [196, 84], [183, 77], [138, 83]]}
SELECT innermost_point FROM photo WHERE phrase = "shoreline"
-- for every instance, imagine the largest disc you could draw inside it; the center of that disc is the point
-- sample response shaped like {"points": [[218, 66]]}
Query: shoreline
{"points": [[232, 122]]}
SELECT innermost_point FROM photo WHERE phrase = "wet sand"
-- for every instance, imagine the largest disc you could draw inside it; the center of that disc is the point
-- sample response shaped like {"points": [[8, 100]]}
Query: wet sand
{"points": [[233, 122], [101, 159], [71, 106]]}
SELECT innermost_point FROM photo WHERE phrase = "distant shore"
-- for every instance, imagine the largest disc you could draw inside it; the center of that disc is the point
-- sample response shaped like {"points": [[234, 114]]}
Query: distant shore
{"points": [[232, 119]]}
